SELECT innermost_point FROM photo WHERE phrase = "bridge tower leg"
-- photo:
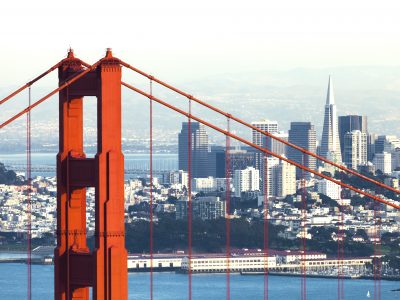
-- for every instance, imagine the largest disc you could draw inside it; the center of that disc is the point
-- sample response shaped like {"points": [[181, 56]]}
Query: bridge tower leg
{"points": [[76, 267]]}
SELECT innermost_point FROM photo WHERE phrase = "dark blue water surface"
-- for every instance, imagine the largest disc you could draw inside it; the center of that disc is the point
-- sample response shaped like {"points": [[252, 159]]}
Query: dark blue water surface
{"points": [[205, 286]]}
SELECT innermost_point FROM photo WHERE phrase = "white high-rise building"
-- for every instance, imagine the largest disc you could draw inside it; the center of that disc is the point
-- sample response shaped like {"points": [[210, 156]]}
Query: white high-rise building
{"points": [[177, 177], [246, 180], [330, 189], [330, 144], [355, 148], [260, 140], [265, 125], [383, 162], [270, 172], [281, 178], [396, 159], [285, 179]]}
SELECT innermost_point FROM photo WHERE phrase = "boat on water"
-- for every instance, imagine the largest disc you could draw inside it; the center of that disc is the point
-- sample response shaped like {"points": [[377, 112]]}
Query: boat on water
{"points": [[368, 295]]}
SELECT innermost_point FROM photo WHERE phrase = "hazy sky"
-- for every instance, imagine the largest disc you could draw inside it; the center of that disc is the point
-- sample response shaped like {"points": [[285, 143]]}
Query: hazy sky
{"points": [[185, 40]]}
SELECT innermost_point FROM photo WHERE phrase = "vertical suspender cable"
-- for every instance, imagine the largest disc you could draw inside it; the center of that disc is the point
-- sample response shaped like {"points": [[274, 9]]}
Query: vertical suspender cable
{"points": [[28, 193], [151, 190], [67, 233], [189, 206], [379, 241], [338, 257], [266, 220], [227, 209], [377, 259], [304, 232]]}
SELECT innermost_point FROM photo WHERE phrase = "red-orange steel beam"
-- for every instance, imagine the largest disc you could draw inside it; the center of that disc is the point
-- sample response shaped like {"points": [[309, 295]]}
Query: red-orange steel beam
{"points": [[258, 147], [60, 88], [28, 84], [258, 129]]}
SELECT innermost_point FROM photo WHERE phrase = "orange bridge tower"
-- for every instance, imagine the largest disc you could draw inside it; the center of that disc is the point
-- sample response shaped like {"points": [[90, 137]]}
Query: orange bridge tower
{"points": [[76, 267]]}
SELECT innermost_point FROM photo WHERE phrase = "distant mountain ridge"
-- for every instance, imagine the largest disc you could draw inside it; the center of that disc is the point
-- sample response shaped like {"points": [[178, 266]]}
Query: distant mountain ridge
{"points": [[290, 95]]}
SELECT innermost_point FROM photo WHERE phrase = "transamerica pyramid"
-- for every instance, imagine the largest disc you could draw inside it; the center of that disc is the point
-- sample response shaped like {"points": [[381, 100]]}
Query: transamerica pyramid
{"points": [[330, 145]]}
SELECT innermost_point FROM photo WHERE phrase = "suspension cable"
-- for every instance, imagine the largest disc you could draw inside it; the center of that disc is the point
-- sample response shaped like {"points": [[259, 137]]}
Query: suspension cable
{"points": [[60, 88], [189, 206], [28, 84], [266, 133], [151, 189], [266, 223], [227, 209], [28, 194], [377, 255], [340, 250], [240, 139], [304, 232]]}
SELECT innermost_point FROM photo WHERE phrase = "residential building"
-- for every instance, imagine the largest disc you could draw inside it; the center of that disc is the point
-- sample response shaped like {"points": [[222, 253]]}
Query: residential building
{"points": [[246, 180], [330, 189], [205, 208], [355, 148]]}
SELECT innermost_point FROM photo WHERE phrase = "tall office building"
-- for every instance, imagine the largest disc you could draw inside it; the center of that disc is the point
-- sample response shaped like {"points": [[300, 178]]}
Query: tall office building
{"points": [[303, 134], [350, 123], [371, 139], [386, 143], [355, 148], [259, 139], [239, 160], [265, 125], [199, 149], [276, 146], [330, 143]]}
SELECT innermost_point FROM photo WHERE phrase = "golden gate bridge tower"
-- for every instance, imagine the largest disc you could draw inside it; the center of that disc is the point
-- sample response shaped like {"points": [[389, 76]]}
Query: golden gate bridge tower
{"points": [[76, 268]]}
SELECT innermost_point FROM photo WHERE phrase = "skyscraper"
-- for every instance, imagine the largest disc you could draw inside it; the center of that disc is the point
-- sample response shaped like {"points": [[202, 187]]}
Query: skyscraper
{"points": [[330, 144], [303, 134], [350, 123], [276, 146], [265, 125], [371, 139], [259, 139], [355, 149], [199, 149]]}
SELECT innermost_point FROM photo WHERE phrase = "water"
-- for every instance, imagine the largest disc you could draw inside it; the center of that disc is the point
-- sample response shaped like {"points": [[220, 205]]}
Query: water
{"points": [[133, 161], [205, 286]]}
